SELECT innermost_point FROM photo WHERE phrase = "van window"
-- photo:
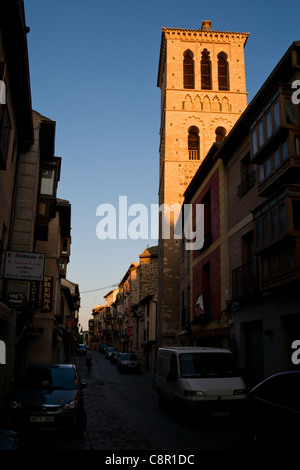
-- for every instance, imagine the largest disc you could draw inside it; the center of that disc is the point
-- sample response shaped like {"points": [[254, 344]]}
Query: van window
{"points": [[173, 365], [207, 365]]}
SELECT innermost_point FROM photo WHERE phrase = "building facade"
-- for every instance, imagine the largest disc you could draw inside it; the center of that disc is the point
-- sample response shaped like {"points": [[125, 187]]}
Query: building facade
{"points": [[203, 271], [265, 277], [16, 137], [127, 320], [145, 311], [34, 224], [203, 92], [253, 251]]}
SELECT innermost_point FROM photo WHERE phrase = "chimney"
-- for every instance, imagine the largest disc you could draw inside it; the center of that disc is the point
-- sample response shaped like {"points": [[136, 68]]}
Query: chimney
{"points": [[206, 25]]}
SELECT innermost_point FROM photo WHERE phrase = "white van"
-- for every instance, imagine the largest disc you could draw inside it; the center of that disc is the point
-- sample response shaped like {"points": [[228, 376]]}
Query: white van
{"points": [[201, 379]]}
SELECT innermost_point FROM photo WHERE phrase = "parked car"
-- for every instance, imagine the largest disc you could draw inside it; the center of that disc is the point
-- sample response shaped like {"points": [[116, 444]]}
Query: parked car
{"points": [[200, 380], [114, 357], [81, 350], [272, 411], [108, 353], [128, 362], [48, 397]]}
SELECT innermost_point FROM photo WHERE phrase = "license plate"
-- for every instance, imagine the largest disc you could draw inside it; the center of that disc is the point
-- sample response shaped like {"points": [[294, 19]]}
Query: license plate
{"points": [[41, 419], [220, 414]]}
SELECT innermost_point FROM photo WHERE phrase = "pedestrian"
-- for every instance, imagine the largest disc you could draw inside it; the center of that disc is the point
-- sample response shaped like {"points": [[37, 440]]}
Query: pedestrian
{"points": [[88, 362]]}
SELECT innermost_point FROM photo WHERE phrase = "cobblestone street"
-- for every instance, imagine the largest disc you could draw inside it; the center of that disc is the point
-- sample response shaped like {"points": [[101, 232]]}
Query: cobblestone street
{"points": [[123, 414]]}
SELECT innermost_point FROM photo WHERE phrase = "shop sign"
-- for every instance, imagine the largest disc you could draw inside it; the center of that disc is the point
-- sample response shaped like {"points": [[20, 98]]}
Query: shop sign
{"points": [[24, 266], [47, 294]]}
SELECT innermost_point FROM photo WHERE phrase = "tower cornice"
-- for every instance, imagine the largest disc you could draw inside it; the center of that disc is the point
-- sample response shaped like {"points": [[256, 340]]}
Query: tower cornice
{"points": [[200, 34]]}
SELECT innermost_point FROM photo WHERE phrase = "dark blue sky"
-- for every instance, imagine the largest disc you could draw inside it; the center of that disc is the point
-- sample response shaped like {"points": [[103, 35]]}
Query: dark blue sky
{"points": [[93, 67]]}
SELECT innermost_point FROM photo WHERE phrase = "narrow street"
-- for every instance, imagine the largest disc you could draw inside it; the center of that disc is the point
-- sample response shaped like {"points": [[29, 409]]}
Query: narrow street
{"points": [[123, 414]]}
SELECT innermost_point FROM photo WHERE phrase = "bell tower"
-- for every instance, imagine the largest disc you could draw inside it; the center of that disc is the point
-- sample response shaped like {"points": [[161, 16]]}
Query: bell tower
{"points": [[201, 75]]}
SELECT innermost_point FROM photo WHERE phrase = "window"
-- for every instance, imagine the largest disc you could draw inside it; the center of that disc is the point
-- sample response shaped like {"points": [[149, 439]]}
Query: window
{"points": [[278, 262], [276, 115], [297, 144], [261, 133], [248, 176], [274, 224], [296, 214], [269, 124], [261, 172], [205, 71], [65, 246], [282, 217], [254, 141], [265, 228], [223, 72], [276, 158], [273, 160], [265, 125], [268, 166], [291, 114], [207, 365], [47, 182], [173, 366], [271, 221], [193, 143], [188, 70], [258, 233], [284, 150], [220, 133]]}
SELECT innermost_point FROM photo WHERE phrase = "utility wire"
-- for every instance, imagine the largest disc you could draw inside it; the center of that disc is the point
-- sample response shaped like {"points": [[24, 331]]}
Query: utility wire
{"points": [[100, 288]]}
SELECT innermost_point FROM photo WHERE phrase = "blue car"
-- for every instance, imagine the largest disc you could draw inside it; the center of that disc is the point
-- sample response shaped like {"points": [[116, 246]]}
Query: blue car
{"points": [[48, 397]]}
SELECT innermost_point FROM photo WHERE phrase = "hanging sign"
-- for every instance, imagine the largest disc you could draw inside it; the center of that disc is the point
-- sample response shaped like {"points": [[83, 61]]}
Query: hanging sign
{"points": [[24, 266]]}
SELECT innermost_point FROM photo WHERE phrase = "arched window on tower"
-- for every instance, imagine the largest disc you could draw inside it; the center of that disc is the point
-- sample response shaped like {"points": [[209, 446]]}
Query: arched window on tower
{"points": [[220, 134], [188, 70], [223, 78], [205, 70], [193, 143]]}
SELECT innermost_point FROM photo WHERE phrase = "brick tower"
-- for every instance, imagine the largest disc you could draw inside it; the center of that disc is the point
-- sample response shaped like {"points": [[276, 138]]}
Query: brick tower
{"points": [[203, 92]]}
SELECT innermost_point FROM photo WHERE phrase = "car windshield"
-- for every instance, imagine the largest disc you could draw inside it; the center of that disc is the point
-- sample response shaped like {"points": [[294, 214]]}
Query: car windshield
{"points": [[129, 357], [38, 378], [207, 365]]}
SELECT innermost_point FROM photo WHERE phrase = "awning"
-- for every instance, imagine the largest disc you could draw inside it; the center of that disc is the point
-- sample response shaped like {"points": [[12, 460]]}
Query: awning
{"points": [[5, 312]]}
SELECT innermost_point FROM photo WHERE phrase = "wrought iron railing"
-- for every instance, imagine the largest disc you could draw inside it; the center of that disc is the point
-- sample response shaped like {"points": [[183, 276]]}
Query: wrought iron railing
{"points": [[245, 280], [246, 184], [193, 154]]}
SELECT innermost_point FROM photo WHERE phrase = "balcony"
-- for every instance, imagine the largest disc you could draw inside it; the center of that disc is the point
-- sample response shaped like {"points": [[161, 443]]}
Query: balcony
{"points": [[281, 165], [246, 184], [280, 266], [245, 280], [193, 155], [277, 219]]}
